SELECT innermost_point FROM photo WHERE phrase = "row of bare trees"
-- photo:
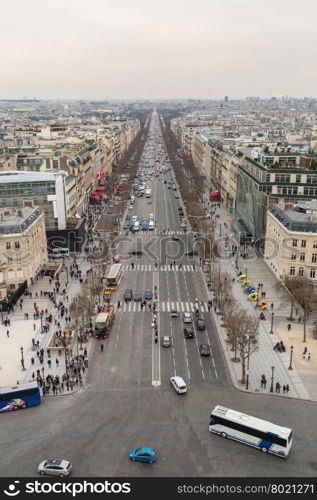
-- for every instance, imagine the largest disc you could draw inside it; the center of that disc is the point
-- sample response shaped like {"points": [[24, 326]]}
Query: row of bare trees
{"points": [[242, 328]]}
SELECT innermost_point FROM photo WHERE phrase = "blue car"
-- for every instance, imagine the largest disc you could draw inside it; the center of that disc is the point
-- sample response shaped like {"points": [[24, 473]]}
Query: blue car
{"points": [[148, 295], [143, 454]]}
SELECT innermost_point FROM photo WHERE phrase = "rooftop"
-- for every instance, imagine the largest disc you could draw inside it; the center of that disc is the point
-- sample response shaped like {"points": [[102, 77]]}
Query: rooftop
{"points": [[294, 220], [8, 177], [17, 220]]}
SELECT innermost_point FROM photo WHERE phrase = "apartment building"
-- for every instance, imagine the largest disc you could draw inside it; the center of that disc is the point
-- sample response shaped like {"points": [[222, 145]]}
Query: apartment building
{"points": [[23, 248], [291, 240]]}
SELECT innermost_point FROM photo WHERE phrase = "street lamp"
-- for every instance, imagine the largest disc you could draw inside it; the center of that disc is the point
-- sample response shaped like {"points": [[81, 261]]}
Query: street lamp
{"points": [[22, 360], [291, 359], [272, 379], [272, 319]]}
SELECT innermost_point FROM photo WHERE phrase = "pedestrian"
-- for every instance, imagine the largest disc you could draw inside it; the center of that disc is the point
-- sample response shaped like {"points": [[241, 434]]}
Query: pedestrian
{"points": [[33, 376], [34, 326], [304, 353], [263, 381], [287, 388], [101, 347], [119, 304], [32, 360], [57, 362], [278, 387], [289, 326], [8, 333], [272, 306], [308, 357], [284, 388], [49, 362]]}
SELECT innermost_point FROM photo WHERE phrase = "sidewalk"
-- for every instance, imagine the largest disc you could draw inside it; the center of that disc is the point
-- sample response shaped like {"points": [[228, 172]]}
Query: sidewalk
{"points": [[22, 331], [302, 378]]}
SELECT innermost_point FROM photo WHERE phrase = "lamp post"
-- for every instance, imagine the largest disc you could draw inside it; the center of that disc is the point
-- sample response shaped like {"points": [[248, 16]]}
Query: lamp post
{"points": [[22, 360], [272, 379], [41, 317], [247, 382], [272, 319], [291, 359]]}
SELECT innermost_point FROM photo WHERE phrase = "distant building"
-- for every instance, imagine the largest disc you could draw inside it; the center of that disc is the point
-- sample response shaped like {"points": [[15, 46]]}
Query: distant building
{"points": [[226, 98], [23, 249]]}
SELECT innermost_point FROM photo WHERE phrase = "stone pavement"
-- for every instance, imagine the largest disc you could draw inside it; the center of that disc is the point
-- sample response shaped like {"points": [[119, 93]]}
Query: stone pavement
{"points": [[302, 378], [22, 331]]}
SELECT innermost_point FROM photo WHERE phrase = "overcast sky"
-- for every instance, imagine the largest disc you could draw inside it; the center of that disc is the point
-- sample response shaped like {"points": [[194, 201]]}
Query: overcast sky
{"points": [[72, 49]]}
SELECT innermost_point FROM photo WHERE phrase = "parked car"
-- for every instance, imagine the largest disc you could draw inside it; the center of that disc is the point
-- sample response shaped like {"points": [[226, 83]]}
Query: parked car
{"points": [[175, 238], [55, 467], [143, 454], [200, 323], [204, 350], [189, 333]]}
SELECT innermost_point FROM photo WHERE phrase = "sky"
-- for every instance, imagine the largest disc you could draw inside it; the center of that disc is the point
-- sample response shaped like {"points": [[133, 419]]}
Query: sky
{"points": [[136, 49]]}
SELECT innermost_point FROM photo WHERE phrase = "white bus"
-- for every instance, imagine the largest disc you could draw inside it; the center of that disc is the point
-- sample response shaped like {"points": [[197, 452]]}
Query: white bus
{"points": [[59, 253], [268, 437]]}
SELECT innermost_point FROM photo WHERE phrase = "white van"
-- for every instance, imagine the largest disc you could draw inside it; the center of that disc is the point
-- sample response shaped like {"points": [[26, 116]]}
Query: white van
{"points": [[179, 384]]}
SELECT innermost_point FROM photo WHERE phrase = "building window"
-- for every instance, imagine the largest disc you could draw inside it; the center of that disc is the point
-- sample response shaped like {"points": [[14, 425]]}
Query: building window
{"points": [[295, 243], [16, 244], [8, 245], [315, 244], [298, 178], [301, 271], [302, 257], [12, 286], [11, 274], [303, 245], [314, 257], [293, 256], [313, 273], [292, 271]]}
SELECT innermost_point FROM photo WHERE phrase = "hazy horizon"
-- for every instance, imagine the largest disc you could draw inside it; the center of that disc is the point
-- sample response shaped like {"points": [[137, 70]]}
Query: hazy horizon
{"points": [[71, 50]]}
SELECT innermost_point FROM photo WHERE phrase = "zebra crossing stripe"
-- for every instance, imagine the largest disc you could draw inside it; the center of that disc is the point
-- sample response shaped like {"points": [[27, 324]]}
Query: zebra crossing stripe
{"points": [[163, 306], [168, 306]]}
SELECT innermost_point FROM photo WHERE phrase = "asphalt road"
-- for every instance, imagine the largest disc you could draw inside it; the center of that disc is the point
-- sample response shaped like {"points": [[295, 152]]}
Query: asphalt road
{"points": [[128, 400]]}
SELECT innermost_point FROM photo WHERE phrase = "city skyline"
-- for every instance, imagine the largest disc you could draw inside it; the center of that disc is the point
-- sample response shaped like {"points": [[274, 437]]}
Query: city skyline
{"points": [[163, 51]]}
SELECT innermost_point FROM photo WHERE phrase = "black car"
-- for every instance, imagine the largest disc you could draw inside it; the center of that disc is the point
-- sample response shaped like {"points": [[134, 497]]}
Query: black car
{"points": [[135, 252], [128, 217], [200, 323], [128, 294], [188, 332], [137, 297], [191, 253], [204, 350]]}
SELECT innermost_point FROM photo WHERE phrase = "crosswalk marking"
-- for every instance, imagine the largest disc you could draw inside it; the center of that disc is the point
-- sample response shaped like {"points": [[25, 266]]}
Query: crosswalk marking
{"points": [[163, 267], [164, 306]]}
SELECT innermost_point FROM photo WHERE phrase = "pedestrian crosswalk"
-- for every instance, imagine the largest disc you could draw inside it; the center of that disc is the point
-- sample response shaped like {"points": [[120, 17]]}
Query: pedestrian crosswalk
{"points": [[166, 267], [164, 306]]}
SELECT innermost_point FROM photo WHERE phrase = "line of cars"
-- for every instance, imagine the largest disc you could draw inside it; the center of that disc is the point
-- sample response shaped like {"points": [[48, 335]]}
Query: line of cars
{"points": [[204, 349], [137, 296], [136, 223]]}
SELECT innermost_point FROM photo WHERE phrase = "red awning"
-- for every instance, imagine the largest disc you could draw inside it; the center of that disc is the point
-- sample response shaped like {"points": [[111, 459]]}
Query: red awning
{"points": [[101, 188]]}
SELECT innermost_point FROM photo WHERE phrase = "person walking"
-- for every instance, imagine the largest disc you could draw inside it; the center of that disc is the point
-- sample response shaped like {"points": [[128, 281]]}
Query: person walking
{"points": [[101, 347], [304, 353], [49, 362], [289, 326], [119, 304], [278, 387], [308, 357], [263, 381], [284, 388], [8, 333]]}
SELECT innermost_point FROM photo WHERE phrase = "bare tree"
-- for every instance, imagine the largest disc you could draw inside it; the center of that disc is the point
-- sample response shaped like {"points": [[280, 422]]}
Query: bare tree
{"points": [[242, 336]]}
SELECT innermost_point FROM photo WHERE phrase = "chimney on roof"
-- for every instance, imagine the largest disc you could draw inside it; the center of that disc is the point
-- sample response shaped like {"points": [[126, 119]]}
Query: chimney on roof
{"points": [[20, 213]]}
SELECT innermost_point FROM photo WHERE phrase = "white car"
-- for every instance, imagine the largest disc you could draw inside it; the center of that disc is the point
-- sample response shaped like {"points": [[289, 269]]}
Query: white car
{"points": [[59, 467], [130, 207], [151, 216], [187, 318], [134, 218]]}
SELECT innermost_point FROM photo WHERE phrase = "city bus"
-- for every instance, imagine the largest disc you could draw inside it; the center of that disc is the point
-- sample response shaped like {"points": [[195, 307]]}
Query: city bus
{"points": [[103, 323], [114, 277], [18, 397], [268, 437], [58, 253]]}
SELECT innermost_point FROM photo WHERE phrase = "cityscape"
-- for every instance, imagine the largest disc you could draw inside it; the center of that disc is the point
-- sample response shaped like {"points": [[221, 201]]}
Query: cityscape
{"points": [[158, 271]]}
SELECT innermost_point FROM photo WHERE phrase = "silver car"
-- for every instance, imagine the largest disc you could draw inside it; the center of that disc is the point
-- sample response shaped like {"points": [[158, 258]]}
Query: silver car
{"points": [[187, 318], [55, 467]]}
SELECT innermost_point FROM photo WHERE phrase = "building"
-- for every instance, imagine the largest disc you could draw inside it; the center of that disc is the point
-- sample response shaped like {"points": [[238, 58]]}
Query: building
{"points": [[291, 240], [23, 247], [47, 190]]}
